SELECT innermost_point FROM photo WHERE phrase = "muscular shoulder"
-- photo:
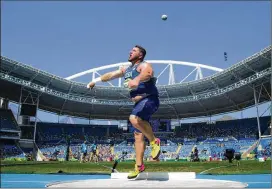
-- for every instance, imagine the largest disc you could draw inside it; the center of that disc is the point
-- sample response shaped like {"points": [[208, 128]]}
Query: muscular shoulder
{"points": [[124, 68], [145, 66]]}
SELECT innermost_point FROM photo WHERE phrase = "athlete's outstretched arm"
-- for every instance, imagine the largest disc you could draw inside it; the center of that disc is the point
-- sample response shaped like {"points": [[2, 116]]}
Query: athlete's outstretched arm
{"points": [[111, 75], [146, 72], [107, 77]]}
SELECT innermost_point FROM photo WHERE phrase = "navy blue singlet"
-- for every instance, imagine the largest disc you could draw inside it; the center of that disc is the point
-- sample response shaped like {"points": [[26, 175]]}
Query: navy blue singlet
{"points": [[146, 88]]}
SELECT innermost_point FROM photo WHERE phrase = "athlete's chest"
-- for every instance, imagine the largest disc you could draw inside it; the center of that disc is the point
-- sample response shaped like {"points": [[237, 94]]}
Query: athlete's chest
{"points": [[131, 72]]}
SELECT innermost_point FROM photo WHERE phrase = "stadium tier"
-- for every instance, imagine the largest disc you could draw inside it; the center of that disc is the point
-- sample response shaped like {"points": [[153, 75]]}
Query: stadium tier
{"points": [[11, 150], [219, 93], [210, 140], [9, 129], [240, 129], [7, 120], [264, 148], [56, 132]]}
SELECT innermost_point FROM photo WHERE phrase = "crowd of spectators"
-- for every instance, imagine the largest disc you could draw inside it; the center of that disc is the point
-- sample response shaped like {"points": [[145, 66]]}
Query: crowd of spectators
{"points": [[240, 129], [215, 138], [11, 151]]}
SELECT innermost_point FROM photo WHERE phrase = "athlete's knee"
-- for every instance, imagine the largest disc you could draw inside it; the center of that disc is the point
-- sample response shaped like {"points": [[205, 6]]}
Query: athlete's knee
{"points": [[135, 121]]}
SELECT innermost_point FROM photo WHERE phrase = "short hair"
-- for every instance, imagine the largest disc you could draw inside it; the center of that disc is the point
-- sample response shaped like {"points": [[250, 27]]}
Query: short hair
{"points": [[142, 50]]}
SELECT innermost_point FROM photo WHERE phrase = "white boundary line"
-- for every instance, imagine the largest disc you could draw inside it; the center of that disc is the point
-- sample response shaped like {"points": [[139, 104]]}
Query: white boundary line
{"points": [[214, 168]]}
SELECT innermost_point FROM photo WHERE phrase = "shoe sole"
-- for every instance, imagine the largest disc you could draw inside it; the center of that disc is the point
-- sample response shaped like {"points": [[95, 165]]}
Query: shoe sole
{"points": [[134, 178]]}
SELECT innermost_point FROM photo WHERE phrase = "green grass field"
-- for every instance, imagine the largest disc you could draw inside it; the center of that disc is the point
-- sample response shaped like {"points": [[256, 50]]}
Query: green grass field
{"points": [[219, 168]]}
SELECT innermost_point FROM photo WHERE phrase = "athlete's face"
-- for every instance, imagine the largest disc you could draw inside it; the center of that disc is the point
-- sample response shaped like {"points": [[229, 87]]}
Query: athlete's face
{"points": [[134, 55]]}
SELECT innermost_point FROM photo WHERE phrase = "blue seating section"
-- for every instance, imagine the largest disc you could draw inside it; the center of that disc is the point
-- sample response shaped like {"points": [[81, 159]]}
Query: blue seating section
{"points": [[48, 150], [55, 132], [264, 148], [7, 120], [239, 129], [12, 151]]}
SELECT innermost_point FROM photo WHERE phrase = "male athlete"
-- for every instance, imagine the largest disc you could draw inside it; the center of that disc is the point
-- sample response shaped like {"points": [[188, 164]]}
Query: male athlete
{"points": [[139, 79]]}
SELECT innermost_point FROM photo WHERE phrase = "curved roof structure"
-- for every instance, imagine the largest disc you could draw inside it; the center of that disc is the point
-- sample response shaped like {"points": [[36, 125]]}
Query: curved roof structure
{"points": [[227, 90], [169, 62]]}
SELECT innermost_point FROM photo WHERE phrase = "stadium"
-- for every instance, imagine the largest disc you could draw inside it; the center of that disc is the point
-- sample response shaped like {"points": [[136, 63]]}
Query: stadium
{"points": [[204, 106], [25, 139]]}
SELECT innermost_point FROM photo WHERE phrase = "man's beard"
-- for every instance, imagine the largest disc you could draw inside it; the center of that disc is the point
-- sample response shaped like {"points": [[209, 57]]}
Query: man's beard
{"points": [[133, 60], [130, 59]]}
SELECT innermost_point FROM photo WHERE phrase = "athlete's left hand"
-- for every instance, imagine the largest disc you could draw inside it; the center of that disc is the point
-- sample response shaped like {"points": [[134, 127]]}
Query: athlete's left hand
{"points": [[133, 84], [91, 85]]}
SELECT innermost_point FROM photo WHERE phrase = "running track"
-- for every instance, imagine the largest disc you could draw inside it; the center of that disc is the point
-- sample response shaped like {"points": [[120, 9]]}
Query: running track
{"points": [[40, 180]]}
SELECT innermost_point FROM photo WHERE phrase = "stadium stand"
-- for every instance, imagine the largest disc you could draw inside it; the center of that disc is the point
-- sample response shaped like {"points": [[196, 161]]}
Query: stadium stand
{"points": [[211, 140], [55, 132], [239, 129], [11, 151], [264, 148], [7, 120]]}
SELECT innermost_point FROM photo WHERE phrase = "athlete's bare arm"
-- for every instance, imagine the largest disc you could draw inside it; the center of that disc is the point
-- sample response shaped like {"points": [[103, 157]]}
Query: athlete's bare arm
{"points": [[112, 75], [108, 76], [146, 72]]}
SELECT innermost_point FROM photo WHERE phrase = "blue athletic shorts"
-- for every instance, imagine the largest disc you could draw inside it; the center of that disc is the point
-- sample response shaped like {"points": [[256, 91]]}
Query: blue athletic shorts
{"points": [[145, 108]]}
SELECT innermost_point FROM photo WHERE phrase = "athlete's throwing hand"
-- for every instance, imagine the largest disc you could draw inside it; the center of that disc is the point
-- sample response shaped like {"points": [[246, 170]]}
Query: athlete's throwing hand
{"points": [[91, 85]]}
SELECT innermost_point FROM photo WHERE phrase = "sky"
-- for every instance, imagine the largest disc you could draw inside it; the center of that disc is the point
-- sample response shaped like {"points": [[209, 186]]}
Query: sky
{"points": [[67, 37]]}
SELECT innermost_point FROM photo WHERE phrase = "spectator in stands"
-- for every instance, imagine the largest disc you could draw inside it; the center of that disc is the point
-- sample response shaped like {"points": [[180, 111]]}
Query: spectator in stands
{"points": [[56, 153]]}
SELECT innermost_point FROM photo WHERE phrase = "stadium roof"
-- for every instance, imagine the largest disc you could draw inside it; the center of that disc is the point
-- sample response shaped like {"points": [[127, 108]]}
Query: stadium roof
{"points": [[229, 90]]}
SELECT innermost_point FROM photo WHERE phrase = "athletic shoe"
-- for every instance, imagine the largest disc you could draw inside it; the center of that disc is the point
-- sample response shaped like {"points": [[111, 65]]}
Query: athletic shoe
{"points": [[138, 169], [156, 148]]}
